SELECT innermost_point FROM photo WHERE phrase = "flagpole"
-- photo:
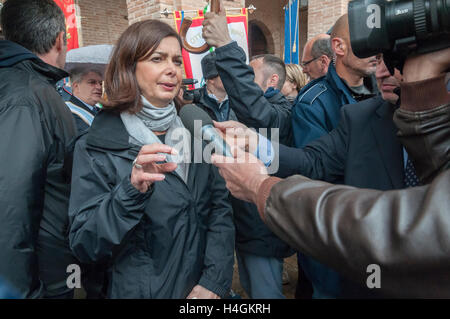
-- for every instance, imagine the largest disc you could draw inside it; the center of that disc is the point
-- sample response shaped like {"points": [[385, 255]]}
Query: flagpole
{"points": [[290, 31], [296, 30]]}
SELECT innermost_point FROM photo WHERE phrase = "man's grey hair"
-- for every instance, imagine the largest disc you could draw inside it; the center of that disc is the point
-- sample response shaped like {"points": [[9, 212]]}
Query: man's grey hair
{"points": [[272, 65], [77, 74], [322, 47], [34, 24]]}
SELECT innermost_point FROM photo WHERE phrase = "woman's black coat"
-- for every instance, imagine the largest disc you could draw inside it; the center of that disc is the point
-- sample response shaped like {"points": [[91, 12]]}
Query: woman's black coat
{"points": [[159, 244]]}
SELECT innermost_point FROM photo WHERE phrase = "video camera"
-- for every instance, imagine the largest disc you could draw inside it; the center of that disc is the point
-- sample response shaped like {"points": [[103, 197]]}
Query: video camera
{"points": [[190, 95], [398, 28]]}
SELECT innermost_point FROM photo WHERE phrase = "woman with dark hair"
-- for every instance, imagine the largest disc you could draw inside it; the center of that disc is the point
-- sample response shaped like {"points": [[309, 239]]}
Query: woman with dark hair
{"points": [[161, 223]]}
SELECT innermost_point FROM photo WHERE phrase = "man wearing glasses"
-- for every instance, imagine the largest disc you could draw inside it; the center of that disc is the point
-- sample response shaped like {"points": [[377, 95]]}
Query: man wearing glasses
{"points": [[347, 81], [87, 89], [317, 56]]}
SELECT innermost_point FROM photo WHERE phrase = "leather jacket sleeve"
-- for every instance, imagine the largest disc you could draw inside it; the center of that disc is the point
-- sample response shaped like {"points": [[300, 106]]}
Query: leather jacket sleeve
{"points": [[423, 120], [404, 232]]}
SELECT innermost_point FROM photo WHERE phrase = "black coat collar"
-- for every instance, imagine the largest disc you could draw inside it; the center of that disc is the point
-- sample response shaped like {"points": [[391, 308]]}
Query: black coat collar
{"points": [[108, 131], [12, 53]]}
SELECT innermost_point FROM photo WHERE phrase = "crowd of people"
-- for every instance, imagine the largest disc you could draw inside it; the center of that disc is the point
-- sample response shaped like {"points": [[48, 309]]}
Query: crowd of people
{"points": [[96, 177]]}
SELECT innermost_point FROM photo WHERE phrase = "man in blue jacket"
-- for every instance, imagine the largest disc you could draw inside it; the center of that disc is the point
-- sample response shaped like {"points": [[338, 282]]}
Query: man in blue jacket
{"points": [[348, 81], [255, 98]]}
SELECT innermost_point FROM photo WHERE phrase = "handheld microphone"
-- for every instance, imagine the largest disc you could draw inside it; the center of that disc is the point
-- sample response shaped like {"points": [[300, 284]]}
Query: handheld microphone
{"points": [[191, 113]]}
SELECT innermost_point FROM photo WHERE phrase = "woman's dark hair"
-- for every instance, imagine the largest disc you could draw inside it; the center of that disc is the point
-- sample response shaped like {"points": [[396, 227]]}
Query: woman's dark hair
{"points": [[137, 43]]}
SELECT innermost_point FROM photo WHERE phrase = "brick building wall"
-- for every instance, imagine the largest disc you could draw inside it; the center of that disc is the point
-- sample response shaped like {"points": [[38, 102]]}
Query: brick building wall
{"points": [[322, 14], [101, 21]]}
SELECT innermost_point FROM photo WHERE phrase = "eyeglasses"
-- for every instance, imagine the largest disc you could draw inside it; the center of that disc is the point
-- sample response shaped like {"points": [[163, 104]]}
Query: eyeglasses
{"points": [[92, 82], [303, 64]]}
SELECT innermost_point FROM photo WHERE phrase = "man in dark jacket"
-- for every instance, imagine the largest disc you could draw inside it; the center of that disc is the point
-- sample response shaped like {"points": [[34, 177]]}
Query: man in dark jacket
{"points": [[255, 97], [363, 151], [405, 233], [36, 129], [87, 90]]}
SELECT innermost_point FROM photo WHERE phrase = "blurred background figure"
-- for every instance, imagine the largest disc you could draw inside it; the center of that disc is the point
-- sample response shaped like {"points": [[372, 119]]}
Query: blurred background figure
{"points": [[295, 81], [214, 99], [87, 90], [92, 57]]}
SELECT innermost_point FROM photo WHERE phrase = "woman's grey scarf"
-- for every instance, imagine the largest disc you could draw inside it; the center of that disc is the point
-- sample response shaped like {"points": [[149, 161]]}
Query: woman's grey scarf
{"points": [[157, 119], [141, 126]]}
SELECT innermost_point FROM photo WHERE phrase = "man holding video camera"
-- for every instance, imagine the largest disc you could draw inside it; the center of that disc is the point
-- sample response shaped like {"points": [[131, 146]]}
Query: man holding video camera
{"points": [[405, 233]]}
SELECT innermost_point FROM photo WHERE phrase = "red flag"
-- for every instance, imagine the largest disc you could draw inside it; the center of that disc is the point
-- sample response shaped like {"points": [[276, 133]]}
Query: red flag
{"points": [[68, 7]]}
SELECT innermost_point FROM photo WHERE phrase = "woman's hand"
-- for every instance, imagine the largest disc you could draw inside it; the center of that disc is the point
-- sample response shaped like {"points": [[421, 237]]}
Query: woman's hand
{"points": [[146, 171], [199, 292]]}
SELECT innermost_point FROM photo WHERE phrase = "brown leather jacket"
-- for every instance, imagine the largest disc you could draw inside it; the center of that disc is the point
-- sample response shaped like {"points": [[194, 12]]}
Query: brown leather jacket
{"points": [[424, 126], [406, 232]]}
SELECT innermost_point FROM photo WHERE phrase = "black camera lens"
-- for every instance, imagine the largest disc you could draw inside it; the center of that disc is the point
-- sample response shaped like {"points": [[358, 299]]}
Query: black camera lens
{"points": [[398, 27]]}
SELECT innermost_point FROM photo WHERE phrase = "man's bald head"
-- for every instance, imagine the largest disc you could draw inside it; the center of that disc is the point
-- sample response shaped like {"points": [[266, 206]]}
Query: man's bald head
{"points": [[348, 66], [321, 45], [320, 36], [341, 29], [317, 55]]}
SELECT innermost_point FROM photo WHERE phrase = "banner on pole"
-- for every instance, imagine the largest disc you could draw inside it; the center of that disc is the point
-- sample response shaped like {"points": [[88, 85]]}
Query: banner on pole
{"points": [[68, 7], [237, 26], [291, 32]]}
